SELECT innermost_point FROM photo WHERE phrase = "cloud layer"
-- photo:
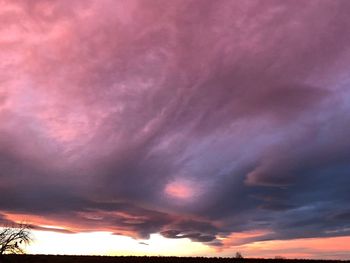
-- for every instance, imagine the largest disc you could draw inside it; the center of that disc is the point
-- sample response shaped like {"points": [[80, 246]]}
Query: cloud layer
{"points": [[193, 119]]}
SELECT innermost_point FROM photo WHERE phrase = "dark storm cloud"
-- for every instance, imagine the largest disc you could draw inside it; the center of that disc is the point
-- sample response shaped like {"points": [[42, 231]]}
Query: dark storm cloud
{"points": [[193, 119]]}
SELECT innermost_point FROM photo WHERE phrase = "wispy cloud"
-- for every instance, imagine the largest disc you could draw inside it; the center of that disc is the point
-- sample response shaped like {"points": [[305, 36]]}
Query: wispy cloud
{"points": [[194, 119]]}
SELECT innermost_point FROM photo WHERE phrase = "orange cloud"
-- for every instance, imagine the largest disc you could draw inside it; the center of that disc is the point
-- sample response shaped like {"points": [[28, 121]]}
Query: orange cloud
{"points": [[311, 248], [236, 239], [178, 190]]}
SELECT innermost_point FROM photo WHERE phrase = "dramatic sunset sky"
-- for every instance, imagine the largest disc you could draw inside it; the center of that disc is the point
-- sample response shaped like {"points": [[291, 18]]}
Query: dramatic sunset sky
{"points": [[177, 127]]}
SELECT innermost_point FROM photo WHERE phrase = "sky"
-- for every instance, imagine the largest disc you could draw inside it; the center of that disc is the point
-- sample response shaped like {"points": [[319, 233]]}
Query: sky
{"points": [[181, 127]]}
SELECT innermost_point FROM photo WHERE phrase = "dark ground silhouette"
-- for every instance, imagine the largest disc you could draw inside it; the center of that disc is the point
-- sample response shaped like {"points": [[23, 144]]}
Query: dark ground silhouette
{"points": [[130, 259]]}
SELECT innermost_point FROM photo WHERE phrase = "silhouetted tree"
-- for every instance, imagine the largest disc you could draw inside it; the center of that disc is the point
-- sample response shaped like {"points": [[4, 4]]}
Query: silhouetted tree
{"points": [[279, 257], [13, 238], [238, 255]]}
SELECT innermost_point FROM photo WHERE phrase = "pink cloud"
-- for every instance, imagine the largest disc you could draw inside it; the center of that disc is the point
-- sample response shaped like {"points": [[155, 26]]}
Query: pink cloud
{"points": [[124, 110]]}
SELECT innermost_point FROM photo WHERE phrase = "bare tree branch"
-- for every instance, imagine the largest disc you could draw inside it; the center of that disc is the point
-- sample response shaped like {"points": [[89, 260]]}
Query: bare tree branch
{"points": [[12, 239]]}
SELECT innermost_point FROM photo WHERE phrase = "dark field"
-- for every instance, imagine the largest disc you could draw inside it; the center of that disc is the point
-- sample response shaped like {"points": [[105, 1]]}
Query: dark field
{"points": [[101, 259]]}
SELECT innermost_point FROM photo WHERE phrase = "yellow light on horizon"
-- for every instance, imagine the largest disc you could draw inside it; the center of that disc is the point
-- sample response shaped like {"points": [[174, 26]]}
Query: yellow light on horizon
{"points": [[105, 243]]}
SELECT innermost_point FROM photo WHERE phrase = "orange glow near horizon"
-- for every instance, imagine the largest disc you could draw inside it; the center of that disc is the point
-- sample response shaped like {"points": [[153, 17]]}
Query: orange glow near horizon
{"points": [[59, 225], [103, 242], [40, 221], [309, 248], [241, 238]]}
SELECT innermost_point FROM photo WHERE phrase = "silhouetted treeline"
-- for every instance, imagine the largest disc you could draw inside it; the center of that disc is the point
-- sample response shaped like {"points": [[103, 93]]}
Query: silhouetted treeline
{"points": [[131, 259]]}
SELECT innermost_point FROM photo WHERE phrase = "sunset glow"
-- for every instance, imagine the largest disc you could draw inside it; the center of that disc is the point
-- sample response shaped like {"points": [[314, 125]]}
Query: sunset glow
{"points": [[177, 127]]}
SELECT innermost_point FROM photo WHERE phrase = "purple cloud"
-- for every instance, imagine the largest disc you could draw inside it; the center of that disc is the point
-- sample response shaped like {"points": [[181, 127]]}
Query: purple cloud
{"points": [[194, 119]]}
